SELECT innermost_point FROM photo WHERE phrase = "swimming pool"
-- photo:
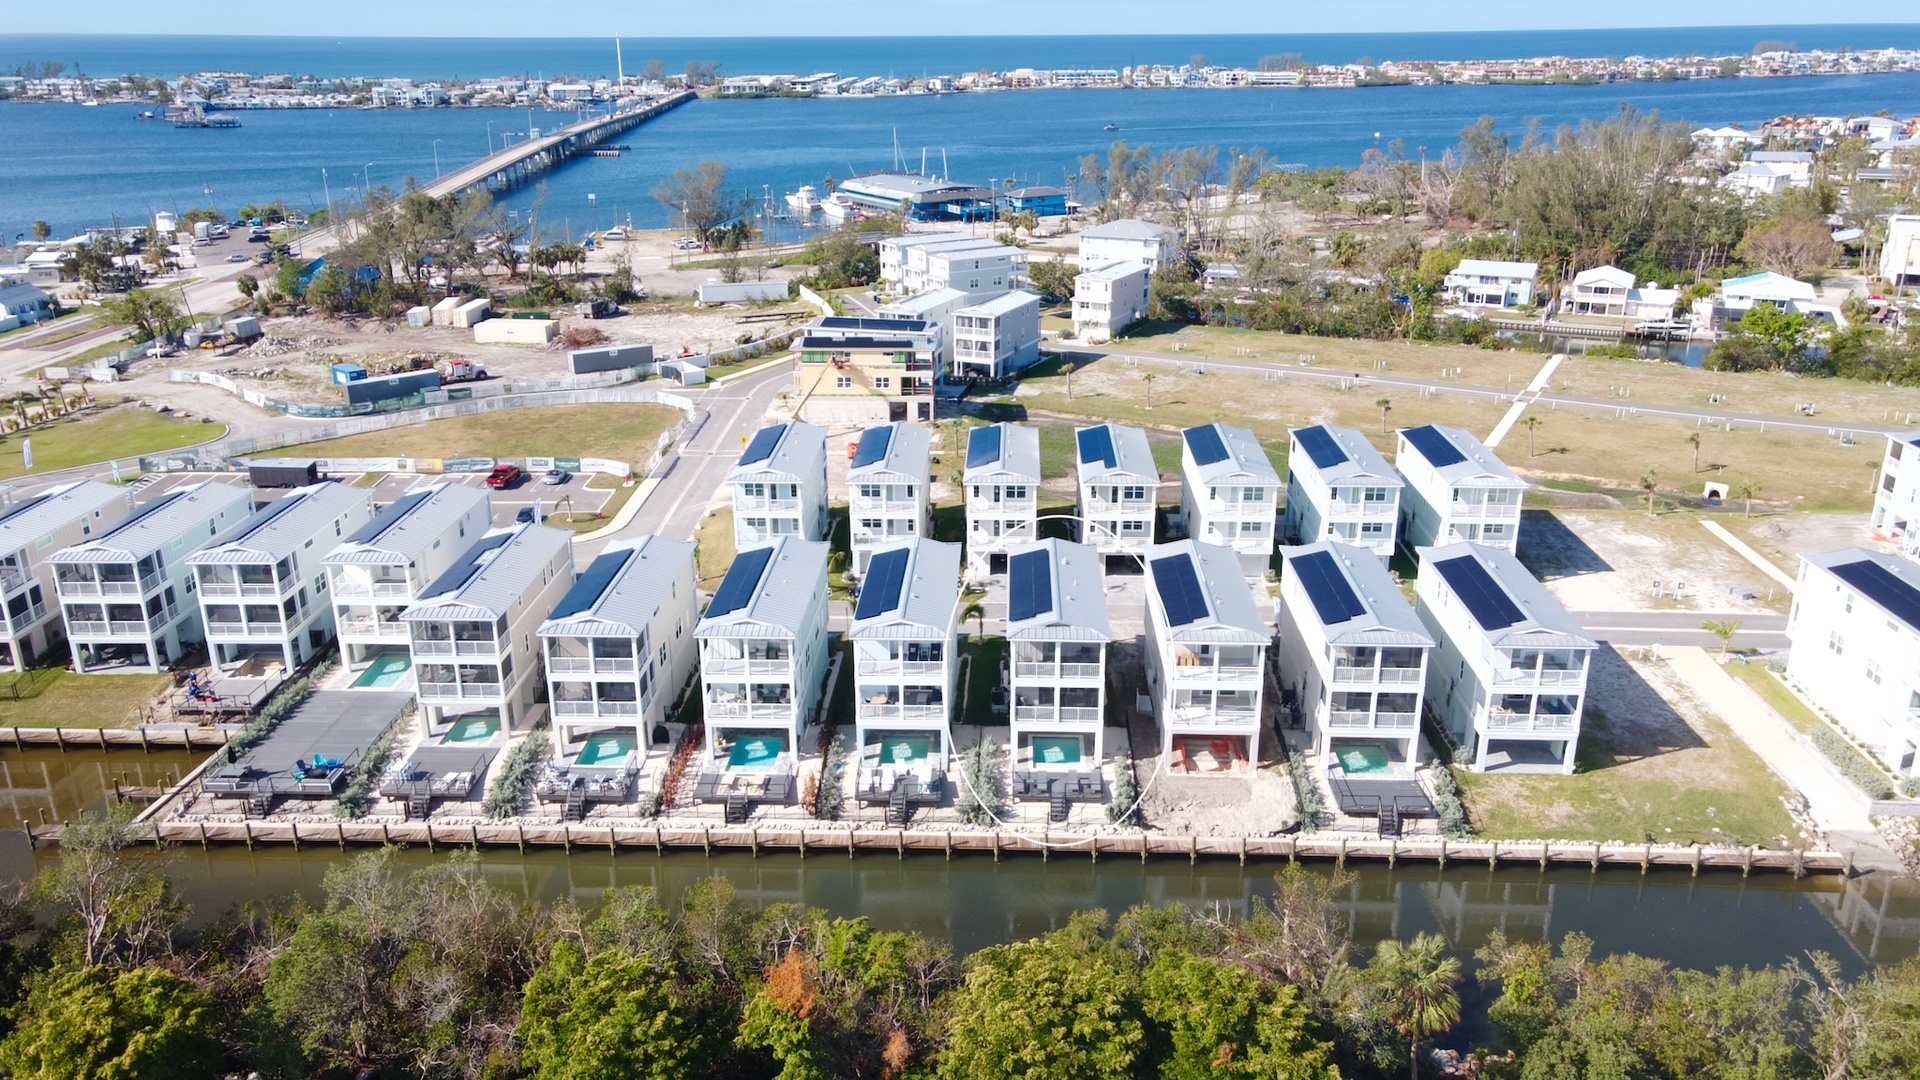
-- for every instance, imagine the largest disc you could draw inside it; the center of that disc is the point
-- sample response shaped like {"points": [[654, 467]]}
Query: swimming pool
{"points": [[388, 668], [605, 748], [755, 752], [1363, 760], [477, 728], [1056, 749], [904, 749]]}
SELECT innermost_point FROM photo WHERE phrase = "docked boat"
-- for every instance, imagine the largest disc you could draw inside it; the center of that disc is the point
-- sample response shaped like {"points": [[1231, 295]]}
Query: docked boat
{"points": [[196, 117], [804, 201], [837, 208]]}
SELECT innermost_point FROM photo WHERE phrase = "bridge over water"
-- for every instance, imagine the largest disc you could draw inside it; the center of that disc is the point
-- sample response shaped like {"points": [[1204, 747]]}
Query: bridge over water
{"points": [[517, 164]]}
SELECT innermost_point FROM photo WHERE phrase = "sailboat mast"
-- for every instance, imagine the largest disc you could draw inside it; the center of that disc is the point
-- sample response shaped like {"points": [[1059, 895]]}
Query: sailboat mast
{"points": [[619, 65]]}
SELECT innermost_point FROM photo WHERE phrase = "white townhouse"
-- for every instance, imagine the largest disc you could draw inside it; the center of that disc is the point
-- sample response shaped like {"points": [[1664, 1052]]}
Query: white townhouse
{"points": [[1353, 655], [934, 308], [905, 635], [1119, 488], [1509, 677], [1002, 482], [1612, 292], [1753, 179], [887, 481], [126, 594], [476, 662], [1896, 498], [1230, 493], [763, 653], [1057, 634], [996, 338], [780, 485], [1129, 240], [1206, 649], [262, 584], [619, 648], [1109, 298], [1797, 165], [1900, 252], [923, 262], [379, 570], [1855, 633], [1491, 283], [1339, 488], [1456, 489], [30, 530]]}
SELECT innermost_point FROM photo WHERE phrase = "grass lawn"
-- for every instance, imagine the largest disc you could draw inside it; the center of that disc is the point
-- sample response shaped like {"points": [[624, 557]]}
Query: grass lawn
{"points": [[55, 697], [111, 347], [713, 547], [1775, 694], [102, 435], [621, 432], [983, 677], [587, 522]]}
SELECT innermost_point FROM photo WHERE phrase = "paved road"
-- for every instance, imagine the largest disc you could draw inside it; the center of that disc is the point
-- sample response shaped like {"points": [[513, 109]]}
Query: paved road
{"points": [[1765, 632]]}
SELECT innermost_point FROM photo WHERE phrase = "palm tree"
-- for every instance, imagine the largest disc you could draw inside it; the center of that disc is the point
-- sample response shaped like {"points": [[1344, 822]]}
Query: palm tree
{"points": [[1385, 405], [1417, 981], [1724, 629], [977, 611], [1745, 490], [1148, 379], [1647, 484], [1532, 422], [1693, 440]]}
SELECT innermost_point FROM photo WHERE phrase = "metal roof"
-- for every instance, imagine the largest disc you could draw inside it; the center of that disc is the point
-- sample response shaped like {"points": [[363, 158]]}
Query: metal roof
{"points": [[920, 602], [1499, 589], [774, 590], [1200, 594], [157, 524], [284, 525], [500, 568], [794, 450], [621, 590], [1073, 604], [1004, 304], [21, 294], [1498, 268], [1230, 452], [853, 341], [917, 306], [898, 448], [1383, 617], [1456, 455], [851, 323], [1889, 583], [1115, 451], [1114, 271], [1127, 229], [1003, 449], [1356, 457], [408, 526], [26, 522]]}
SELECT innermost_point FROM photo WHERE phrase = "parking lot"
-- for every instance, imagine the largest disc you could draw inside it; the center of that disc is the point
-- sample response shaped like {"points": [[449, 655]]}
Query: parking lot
{"points": [[573, 496]]}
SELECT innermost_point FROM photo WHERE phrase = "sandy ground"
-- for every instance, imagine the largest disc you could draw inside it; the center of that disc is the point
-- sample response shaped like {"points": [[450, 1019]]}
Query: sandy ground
{"points": [[1610, 561], [1785, 537]]}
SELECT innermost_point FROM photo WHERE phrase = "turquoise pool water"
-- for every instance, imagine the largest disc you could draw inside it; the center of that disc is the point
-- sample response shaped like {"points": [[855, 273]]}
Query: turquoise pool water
{"points": [[1363, 760], [605, 749], [387, 669], [473, 729], [755, 752], [1056, 750], [904, 749]]}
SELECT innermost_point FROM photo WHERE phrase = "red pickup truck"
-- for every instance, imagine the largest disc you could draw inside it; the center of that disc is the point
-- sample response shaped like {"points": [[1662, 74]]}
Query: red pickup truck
{"points": [[503, 476]]}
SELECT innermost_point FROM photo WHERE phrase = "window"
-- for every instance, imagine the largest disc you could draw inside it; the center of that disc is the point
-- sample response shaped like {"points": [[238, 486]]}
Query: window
{"points": [[870, 491], [1133, 528], [843, 382], [882, 382], [1873, 671], [871, 524], [1253, 494], [1016, 492], [1492, 532], [1849, 604], [1376, 495], [1373, 528], [1252, 528], [753, 491], [1837, 643], [1133, 492]]}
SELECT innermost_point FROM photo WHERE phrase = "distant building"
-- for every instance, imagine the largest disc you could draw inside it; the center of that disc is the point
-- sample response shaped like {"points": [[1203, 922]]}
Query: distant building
{"points": [[1610, 291], [763, 653], [905, 634], [1119, 489], [918, 198], [887, 481], [1754, 179], [995, 339], [1057, 634], [1896, 497], [1855, 629], [779, 485], [935, 307], [1724, 139], [1492, 283], [1002, 482], [1456, 489], [1108, 299], [1900, 253], [31, 530], [1129, 240], [1739, 295], [1230, 493], [1206, 650], [379, 570], [867, 370], [1340, 488], [21, 305], [1042, 201], [1796, 165]]}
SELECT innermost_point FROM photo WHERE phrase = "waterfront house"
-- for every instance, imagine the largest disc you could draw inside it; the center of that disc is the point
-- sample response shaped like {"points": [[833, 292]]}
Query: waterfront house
{"points": [[888, 477], [996, 338], [1352, 655], [476, 662], [779, 485], [1737, 296], [1230, 493], [1456, 489], [1057, 634], [934, 308], [867, 370], [380, 569], [1491, 283], [1611, 292], [1900, 252], [925, 262], [1041, 200], [1855, 633], [30, 530], [1754, 179], [126, 593], [1119, 489], [1796, 165], [1340, 488], [263, 586], [1722, 140], [763, 653], [1896, 496], [905, 636], [1508, 678], [618, 650], [1129, 240], [1002, 483], [1108, 299], [1206, 652], [21, 305]]}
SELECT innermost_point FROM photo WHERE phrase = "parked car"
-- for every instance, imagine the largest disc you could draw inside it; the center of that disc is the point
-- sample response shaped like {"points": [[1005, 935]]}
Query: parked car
{"points": [[238, 257], [265, 258], [686, 243], [553, 477], [525, 516], [503, 476]]}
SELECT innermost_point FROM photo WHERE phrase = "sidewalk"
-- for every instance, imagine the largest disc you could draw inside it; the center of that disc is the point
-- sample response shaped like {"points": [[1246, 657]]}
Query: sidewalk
{"points": [[1741, 549]]}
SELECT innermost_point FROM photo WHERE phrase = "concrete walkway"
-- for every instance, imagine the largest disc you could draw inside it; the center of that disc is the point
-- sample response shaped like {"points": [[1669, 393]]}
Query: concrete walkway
{"points": [[1522, 400], [1741, 549]]}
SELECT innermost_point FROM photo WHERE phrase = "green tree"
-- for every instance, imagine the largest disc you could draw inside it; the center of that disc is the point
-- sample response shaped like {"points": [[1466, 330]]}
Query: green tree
{"points": [[1385, 405], [1418, 983], [699, 193], [1211, 1019], [841, 260], [1532, 424], [117, 909], [94, 1024], [1724, 629], [1693, 440], [1052, 277], [1649, 483], [41, 230], [975, 610], [638, 1012]]}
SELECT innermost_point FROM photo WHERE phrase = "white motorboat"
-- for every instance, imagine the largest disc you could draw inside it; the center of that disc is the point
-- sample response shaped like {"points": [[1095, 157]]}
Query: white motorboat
{"points": [[804, 201], [837, 208]]}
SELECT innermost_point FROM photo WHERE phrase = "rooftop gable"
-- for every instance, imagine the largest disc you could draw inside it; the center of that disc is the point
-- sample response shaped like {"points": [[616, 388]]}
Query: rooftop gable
{"points": [[1198, 592]]}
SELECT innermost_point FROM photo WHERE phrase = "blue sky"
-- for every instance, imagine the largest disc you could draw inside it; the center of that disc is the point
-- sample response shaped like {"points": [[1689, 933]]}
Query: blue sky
{"points": [[774, 18]]}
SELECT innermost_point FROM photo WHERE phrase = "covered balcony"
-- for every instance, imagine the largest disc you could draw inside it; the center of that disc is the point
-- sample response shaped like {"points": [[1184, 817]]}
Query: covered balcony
{"points": [[1540, 667], [906, 704], [596, 700], [1056, 705], [372, 582], [1370, 665], [1222, 663], [107, 579], [734, 702], [1058, 660], [1350, 711], [461, 637], [592, 656], [899, 657], [746, 656], [1544, 713], [458, 681], [245, 580]]}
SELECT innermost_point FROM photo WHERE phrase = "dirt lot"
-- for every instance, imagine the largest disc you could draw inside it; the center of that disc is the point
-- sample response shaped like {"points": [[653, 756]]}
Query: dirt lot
{"points": [[1785, 537], [1608, 560]]}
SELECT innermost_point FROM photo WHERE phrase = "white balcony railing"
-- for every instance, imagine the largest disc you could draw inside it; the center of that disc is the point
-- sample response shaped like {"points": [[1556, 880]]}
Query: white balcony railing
{"points": [[916, 713], [1204, 717], [107, 588], [1543, 677], [115, 628], [773, 712], [1030, 670], [23, 622], [1370, 675], [13, 580], [1502, 720], [423, 647], [460, 690], [1049, 714], [596, 708], [1360, 509], [864, 667], [377, 589], [376, 629], [1348, 719], [223, 589], [745, 503], [245, 629], [590, 665]]}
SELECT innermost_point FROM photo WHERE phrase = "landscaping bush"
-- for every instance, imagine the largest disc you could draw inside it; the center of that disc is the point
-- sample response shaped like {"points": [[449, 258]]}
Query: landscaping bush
{"points": [[1124, 809], [979, 801], [1910, 787], [1852, 765], [1446, 801], [509, 791], [1305, 793], [827, 792]]}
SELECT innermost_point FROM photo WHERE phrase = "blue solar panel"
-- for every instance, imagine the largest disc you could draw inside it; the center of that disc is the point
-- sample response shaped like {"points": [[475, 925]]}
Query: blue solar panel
{"points": [[886, 575], [1029, 585], [1096, 444], [587, 589], [873, 446], [1435, 447], [1181, 597], [983, 446], [1319, 445], [1327, 588], [1486, 601], [1206, 445], [736, 589], [470, 563], [1883, 587], [764, 440]]}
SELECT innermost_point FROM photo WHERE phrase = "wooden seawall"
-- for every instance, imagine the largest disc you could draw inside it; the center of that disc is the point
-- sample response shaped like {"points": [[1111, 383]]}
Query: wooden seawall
{"points": [[144, 736]]}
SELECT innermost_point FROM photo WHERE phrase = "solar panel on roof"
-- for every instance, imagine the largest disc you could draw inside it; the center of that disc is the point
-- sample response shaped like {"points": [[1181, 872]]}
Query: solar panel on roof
{"points": [[586, 591], [1435, 447], [469, 565], [736, 589], [880, 592], [1029, 585], [1206, 445], [983, 446], [1319, 445], [1883, 587], [872, 447], [1486, 601], [1096, 444], [1178, 584], [764, 440], [1326, 587]]}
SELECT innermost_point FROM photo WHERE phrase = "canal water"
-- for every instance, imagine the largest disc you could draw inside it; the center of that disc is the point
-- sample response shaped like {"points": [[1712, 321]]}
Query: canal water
{"points": [[972, 901]]}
